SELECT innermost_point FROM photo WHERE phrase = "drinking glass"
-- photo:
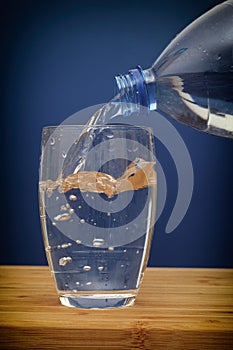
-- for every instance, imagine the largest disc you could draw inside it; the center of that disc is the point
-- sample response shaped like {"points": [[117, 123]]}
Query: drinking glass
{"points": [[97, 207]]}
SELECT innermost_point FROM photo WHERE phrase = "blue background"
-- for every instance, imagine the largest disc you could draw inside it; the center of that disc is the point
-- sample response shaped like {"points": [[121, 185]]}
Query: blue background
{"points": [[58, 57]]}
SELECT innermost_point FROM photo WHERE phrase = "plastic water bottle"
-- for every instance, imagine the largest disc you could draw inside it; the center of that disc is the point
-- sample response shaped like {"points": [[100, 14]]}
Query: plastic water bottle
{"points": [[192, 80]]}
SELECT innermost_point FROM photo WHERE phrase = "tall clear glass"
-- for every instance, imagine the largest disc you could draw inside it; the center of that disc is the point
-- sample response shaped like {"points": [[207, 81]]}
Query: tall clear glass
{"points": [[97, 208]]}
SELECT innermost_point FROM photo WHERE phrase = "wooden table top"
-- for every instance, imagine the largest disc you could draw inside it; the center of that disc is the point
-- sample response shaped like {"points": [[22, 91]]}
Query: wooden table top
{"points": [[176, 308]]}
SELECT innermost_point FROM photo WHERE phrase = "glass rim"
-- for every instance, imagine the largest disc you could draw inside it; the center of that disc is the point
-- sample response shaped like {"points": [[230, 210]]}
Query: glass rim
{"points": [[98, 126]]}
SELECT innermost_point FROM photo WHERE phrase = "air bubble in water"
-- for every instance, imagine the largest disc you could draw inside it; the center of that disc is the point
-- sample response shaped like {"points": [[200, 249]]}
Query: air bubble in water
{"points": [[71, 211], [65, 260], [64, 154], [79, 206], [109, 135], [78, 241], [111, 248], [108, 214], [100, 268], [63, 208], [66, 245], [52, 141], [134, 148], [78, 283], [98, 242], [54, 223], [137, 252], [67, 205], [72, 197], [86, 268], [49, 192], [62, 217], [88, 283], [82, 221]]}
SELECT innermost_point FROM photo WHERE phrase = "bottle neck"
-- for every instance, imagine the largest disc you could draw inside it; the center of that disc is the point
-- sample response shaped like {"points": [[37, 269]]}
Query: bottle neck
{"points": [[137, 89]]}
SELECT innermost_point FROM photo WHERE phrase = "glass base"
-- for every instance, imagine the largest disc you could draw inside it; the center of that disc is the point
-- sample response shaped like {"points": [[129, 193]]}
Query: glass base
{"points": [[97, 301]]}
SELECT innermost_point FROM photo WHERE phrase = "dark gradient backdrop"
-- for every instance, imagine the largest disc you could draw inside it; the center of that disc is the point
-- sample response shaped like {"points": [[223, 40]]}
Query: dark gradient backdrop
{"points": [[58, 57]]}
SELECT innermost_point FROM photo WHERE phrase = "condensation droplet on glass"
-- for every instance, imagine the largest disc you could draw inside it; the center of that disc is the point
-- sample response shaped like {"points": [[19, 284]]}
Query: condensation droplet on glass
{"points": [[82, 221], [62, 217], [98, 242], [86, 268], [52, 141], [72, 197]]}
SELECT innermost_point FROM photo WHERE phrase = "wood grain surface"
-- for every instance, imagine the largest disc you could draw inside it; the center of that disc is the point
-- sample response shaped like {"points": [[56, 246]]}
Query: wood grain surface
{"points": [[175, 309]]}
